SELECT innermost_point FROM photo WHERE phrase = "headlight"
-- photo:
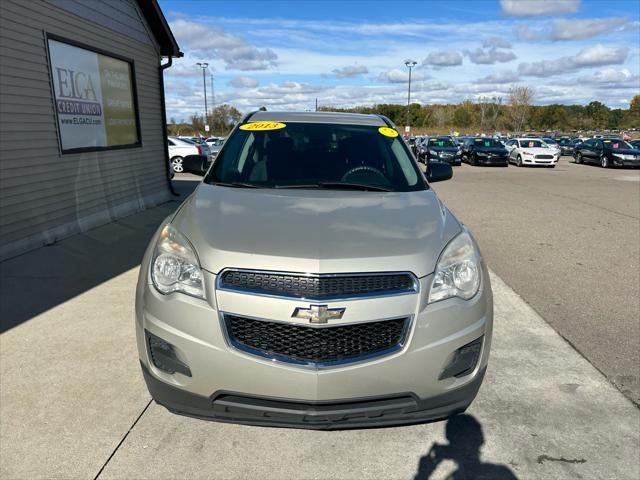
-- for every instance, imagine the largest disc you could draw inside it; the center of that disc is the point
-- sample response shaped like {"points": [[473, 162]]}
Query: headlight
{"points": [[528, 154], [458, 270], [619, 155], [481, 154], [433, 153], [175, 266]]}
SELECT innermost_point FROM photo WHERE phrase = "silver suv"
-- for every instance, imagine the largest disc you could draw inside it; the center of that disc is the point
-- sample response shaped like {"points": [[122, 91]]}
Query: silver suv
{"points": [[314, 279]]}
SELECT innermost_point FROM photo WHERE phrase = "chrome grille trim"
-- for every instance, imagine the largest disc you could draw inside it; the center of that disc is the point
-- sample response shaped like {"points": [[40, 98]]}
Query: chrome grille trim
{"points": [[413, 289]]}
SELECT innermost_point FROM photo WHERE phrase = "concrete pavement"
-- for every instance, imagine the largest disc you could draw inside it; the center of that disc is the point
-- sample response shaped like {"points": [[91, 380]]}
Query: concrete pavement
{"points": [[73, 403]]}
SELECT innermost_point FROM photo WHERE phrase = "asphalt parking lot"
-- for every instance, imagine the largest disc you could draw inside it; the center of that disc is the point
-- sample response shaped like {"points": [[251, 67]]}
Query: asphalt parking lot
{"points": [[73, 403], [568, 240]]}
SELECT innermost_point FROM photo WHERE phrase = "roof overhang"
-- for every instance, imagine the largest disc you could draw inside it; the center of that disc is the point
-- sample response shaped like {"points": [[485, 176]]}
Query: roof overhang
{"points": [[160, 28]]}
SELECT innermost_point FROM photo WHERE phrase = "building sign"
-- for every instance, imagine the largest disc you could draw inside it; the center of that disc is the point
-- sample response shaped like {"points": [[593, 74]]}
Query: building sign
{"points": [[94, 98]]}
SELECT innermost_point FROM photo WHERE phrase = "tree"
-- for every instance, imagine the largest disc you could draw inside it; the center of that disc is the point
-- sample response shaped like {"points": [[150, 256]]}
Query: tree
{"points": [[223, 118], [634, 106], [519, 102], [489, 112]]}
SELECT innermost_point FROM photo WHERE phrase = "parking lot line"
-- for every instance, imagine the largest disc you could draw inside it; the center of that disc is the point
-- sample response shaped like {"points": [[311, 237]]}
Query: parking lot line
{"points": [[543, 412]]}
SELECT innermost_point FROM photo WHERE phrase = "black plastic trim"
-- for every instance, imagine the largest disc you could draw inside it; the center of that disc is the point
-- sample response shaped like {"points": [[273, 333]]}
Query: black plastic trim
{"points": [[232, 407]]}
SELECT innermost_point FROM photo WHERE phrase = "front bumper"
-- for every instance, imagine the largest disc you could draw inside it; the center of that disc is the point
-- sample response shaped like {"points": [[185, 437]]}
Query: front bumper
{"points": [[279, 412], [623, 162], [493, 160], [231, 385]]}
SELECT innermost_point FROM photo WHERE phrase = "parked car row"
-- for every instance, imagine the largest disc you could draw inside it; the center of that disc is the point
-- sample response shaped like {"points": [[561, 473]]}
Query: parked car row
{"points": [[529, 149]]}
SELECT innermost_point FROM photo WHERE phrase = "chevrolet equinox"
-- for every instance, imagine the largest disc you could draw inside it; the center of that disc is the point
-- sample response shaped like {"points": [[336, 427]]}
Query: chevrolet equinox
{"points": [[314, 279]]}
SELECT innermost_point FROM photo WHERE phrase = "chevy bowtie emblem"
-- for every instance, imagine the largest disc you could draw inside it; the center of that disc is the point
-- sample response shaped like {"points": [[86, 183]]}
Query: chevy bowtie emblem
{"points": [[318, 313]]}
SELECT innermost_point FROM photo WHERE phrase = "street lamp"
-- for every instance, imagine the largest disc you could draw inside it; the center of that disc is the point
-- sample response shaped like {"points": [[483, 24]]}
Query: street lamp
{"points": [[204, 66], [410, 64]]}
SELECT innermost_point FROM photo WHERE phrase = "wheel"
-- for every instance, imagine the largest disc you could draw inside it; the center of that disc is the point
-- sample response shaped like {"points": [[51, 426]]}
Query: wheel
{"points": [[177, 164], [552, 166], [474, 160], [604, 161], [519, 161], [578, 158]]}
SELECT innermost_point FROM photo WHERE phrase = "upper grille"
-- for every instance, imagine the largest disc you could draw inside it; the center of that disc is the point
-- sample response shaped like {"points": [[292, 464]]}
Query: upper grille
{"points": [[320, 287], [312, 345], [544, 157]]}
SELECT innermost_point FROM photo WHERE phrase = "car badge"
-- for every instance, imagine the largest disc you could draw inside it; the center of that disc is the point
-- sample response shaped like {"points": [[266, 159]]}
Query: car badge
{"points": [[318, 314]]}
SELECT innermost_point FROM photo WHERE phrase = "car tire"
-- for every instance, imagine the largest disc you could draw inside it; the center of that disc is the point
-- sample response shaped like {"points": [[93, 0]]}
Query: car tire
{"points": [[604, 161], [474, 160], [578, 159], [177, 164], [519, 161]]}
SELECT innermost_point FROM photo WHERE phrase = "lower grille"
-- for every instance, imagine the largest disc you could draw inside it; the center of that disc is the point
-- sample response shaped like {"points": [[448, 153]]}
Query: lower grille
{"points": [[315, 346], [544, 157]]}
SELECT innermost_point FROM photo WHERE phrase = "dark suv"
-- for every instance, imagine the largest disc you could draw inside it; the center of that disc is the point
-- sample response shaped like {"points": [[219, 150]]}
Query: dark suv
{"points": [[607, 152]]}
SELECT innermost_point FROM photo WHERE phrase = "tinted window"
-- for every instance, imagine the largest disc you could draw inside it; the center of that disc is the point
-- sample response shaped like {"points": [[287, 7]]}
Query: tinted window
{"points": [[486, 142], [440, 142], [309, 155], [616, 144]]}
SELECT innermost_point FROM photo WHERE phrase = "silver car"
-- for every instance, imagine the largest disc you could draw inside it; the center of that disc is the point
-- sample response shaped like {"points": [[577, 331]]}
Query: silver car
{"points": [[314, 279]]}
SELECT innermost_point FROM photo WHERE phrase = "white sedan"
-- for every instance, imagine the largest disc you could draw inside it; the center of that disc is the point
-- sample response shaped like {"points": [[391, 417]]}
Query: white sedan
{"points": [[531, 151]]}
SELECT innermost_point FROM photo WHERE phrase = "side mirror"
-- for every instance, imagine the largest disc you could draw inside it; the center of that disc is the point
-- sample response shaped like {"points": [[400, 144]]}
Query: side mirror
{"points": [[439, 171]]}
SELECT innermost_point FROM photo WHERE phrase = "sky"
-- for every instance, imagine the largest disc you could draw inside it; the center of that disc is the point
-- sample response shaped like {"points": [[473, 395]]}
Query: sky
{"points": [[286, 54]]}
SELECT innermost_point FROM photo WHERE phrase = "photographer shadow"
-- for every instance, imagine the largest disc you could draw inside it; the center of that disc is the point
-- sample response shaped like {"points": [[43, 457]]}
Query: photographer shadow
{"points": [[465, 437]]}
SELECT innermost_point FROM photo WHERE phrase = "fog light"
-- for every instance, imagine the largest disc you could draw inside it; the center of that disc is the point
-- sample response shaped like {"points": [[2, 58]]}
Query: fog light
{"points": [[464, 360], [164, 356]]}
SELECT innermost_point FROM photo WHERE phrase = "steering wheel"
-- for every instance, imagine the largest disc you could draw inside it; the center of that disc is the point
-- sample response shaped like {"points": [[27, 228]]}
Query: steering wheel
{"points": [[364, 169]]}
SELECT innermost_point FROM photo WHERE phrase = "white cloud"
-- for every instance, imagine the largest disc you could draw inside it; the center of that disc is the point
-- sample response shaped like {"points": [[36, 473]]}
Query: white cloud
{"points": [[350, 71], [575, 29], [443, 59], [490, 56], [496, 42], [504, 76], [612, 78], [207, 41], [401, 76], [243, 82], [597, 55], [533, 8]]}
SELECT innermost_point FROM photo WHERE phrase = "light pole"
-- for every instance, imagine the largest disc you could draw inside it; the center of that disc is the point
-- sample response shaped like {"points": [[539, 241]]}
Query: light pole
{"points": [[213, 94], [410, 64], [204, 66]]}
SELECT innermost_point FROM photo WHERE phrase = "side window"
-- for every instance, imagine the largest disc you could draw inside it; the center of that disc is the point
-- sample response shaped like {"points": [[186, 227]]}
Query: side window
{"points": [[171, 143]]}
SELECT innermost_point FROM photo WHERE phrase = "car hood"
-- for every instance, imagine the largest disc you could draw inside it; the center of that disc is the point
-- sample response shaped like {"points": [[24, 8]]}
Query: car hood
{"points": [[316, 231], [494, 150], [444, 149], [537, 151]]}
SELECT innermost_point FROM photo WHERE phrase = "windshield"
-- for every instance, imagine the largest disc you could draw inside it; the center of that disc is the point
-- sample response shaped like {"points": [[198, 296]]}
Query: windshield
{"points": [[315, 155], [441, 142], [486, 142], [531, 143], [550, 141]]}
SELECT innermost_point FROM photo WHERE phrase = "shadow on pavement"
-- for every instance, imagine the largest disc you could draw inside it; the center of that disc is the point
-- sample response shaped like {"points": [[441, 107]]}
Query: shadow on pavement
{"points": [[465, 437], [36, 281]]}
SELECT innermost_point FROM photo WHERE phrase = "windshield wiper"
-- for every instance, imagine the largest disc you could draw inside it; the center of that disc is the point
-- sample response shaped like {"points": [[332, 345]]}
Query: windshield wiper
{"points": [[236, 184], [354, 186], [336, 185]]}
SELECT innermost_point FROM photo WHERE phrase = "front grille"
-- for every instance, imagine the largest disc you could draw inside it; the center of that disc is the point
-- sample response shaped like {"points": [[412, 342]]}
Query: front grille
{"points": [[320, 287], [544, 157], [312, 345]]}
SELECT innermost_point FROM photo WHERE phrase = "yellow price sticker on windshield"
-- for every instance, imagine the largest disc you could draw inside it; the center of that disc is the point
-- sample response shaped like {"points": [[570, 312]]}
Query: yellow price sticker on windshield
{"points": [[262, 126], [388, 132]]}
